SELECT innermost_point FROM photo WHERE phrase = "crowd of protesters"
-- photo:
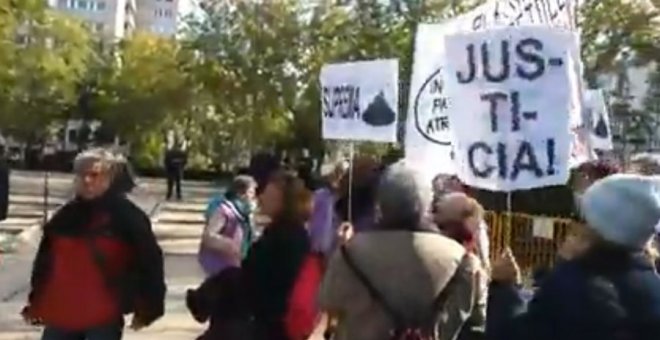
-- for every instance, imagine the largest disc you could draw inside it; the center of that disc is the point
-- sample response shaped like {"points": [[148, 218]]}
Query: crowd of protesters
{"points": [[380, 254]]}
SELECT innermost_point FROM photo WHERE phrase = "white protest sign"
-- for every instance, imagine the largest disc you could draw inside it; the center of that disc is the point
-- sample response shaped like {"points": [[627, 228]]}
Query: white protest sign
{"points": [[511, 126], [599, 121], [428, 137], [360, 100]]}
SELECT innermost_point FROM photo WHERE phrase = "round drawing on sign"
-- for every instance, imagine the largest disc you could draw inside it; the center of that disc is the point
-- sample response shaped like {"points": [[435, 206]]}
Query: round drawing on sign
{"points": [[431, 114], [379, 113]]}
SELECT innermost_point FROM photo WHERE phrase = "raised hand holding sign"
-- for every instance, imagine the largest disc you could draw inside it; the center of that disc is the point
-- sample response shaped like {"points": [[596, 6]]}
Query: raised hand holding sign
{"points": [[510, 121]]}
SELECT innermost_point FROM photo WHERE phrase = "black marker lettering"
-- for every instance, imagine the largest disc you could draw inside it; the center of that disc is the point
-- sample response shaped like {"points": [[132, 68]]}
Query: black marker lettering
{"points": [[485, 59], [529, 50], [526, 161], [488, 170], [462, 79], [493, 98]]}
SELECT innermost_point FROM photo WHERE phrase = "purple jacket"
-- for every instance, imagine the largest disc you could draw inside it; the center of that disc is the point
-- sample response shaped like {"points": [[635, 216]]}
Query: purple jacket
{"points": [[221, 240], [323, 223]]}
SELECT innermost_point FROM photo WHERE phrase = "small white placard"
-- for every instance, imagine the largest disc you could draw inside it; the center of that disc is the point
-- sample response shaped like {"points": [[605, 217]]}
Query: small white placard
{"points": [[544, 227], [360, 100]]}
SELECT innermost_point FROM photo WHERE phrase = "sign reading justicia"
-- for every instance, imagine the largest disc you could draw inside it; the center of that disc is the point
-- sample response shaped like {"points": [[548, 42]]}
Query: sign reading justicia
{"points": [[428, 132], [511, 126]]}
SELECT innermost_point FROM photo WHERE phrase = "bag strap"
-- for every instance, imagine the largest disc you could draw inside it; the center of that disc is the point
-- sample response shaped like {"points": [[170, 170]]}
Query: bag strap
{"points": [[436, 307], [375, 294], [99, 257]]}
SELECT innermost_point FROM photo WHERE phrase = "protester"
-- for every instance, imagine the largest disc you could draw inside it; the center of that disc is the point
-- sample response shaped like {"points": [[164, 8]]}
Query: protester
{"points": [[583, 177], [305, 170], [323, 223], [607, 290], [229, 232], [648, 164], [98, 251], [175, 162], [458, 217], [124, 181], [588, 173], [366, 172], [645, 164], [403, 270], [262, 166], [222, 301], [275, 260], [444, 185]]}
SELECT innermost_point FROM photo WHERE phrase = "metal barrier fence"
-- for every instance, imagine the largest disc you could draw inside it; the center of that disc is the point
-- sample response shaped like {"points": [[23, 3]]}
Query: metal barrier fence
{"points": [[534, 240]]}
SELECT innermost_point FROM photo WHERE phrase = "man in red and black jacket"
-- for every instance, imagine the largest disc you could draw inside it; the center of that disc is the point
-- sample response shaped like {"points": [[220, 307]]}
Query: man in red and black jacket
{"points": [[98, 260]]}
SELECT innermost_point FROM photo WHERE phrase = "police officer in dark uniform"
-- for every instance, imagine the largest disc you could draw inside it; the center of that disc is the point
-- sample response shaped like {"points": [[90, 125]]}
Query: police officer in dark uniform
{"points": [[175, 162]]}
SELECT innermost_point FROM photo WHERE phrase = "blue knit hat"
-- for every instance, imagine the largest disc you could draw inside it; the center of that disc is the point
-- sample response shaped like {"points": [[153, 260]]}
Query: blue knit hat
{"points": [[623, 209]]}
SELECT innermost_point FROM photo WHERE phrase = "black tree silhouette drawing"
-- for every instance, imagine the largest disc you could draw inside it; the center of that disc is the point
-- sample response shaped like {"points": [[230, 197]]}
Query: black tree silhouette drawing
{"points": [[379, 113], [601, 129]]}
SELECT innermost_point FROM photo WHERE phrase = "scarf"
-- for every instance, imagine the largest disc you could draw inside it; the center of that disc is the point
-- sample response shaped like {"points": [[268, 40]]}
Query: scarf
{"points": [[244, 214]]}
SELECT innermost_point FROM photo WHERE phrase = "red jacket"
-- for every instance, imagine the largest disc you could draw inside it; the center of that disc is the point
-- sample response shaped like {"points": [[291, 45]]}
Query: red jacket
{"points": [[97, 261]]}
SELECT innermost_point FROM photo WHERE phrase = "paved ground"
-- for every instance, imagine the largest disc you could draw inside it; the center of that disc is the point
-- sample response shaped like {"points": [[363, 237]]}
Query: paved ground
{"points": [[177, 225]]}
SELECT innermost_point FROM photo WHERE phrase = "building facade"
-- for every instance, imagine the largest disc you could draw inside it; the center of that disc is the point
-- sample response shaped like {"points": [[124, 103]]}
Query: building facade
{"points": [[166, 17], [110, 19]]}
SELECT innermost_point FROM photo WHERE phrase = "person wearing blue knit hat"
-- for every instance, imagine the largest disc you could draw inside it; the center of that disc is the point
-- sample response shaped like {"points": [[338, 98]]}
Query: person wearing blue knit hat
{"points": [[608, 289]]}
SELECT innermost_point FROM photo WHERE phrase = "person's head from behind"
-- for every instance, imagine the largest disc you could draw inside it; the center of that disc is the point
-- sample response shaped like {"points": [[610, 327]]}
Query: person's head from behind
{"points": [[644, 164], [243, 187], [286, 200], [588, 173], [621, 212], [403, 199], [94, 170], [446, 184], [458, 217]]}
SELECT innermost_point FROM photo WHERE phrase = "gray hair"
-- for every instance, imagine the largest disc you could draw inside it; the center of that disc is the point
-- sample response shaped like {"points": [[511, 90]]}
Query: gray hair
{"points": [[240, 185], [645, 163], [108, 160], [404, 198]]}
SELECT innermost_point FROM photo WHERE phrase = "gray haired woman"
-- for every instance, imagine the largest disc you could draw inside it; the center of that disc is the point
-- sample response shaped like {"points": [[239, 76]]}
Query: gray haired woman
{"points": [[402, 276], [106, 243]]}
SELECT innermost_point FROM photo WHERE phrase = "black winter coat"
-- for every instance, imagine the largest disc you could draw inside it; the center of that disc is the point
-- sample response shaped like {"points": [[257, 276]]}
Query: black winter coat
{"points": [[143, 281], [603, 296]]}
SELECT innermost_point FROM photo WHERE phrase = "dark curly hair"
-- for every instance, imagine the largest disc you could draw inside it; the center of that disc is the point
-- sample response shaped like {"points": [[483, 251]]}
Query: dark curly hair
{"points": [[297, 199], [599, 169]]}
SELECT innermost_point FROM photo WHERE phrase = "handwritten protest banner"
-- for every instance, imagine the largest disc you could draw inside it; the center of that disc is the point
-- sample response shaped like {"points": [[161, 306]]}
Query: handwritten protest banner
{"points": [[598, 119], [511, 126], [428, 133], [359, 100]]}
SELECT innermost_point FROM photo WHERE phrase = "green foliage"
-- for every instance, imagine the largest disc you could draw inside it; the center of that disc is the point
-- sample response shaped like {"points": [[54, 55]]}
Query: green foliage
{"points": [[245, 76], [44, 55], [609, 27]]}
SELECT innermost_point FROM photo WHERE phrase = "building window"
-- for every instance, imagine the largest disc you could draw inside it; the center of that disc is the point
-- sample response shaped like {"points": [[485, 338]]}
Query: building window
{"points": [[168, 13], [100, 6], [82, 4]]}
